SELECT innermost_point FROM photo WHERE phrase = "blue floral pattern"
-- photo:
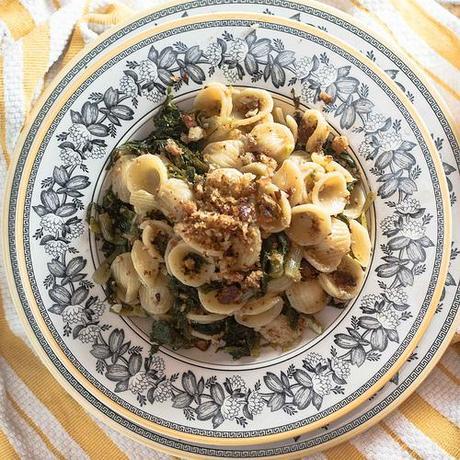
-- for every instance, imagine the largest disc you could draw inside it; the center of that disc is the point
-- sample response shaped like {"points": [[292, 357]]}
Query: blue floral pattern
{"points": [[131, 368]]}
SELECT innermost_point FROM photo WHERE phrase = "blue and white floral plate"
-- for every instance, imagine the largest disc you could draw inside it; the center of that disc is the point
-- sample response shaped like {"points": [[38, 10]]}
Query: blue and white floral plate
{"points": [[103, 359]]}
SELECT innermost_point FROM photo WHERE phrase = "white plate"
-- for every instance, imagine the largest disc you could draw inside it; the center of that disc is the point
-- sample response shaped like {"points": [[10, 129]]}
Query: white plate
{"points": [[283, 395]]}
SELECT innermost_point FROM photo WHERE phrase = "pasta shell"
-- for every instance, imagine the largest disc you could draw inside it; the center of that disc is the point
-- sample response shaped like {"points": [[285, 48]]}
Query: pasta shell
{"points": [[278, 285], [205, 319], [285, 119], [328, 163], [224, 154], [250, 105], [214, 100], [175, 198], [155, 235], [311, 171], [247, 252], [274, 212], [356, 202], [307, 297], [279, 332], [258, 169], [119, 177], [260, 305], [274, 140], [260, 320], [210, 302], [222, 132], [345, 282], [289, 178], [189, 266], [310, 225], [330, 193], [145, 265], [142, 201], [326, 256], [126, 278], [146, 172], [360, 243], [313, 130], [156, 299]]}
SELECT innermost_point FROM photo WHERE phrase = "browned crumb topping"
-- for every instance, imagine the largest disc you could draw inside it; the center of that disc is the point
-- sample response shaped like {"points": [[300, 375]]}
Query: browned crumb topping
{"points": [[339, 144], [305, 130], [307, 272], [325, 97], [173, 149], [189, 120], [189, 263]]}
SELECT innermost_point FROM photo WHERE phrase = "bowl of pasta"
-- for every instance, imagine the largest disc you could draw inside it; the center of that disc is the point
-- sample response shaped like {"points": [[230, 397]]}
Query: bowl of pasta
{"points": [[219, 236]]}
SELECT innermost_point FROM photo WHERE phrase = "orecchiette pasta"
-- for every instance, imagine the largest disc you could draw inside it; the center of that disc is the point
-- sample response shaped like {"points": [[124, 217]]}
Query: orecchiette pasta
{"points": [[360, 243], [212, 303], [355, 204], [289, 178], [237, 226], [330, 192], [224, 154], [326, 255], [119, 177], [274, 140], [189, 266], [261, 319], [310, 225], [146, 266], [313, 130], [155, 236], [307, 296], [250, 105], [345, 282], [214, 100], [174, 197], [157, 298], [147, 172], [125, 276]]}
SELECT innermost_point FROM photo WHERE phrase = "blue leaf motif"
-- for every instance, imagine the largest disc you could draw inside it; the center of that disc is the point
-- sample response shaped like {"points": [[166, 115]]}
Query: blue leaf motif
{"points": [[261, 48], [399, 242], [303, 378], [134, 363], [207, 410], [276, 402], [403, 160], [285, 58], [193, 55], [167, 58], [407, 185], [406, 276], [347, 85], [182, 400], [196, 73], [189, 382], [117, 372], [415, 252], [50, 200], [388, 188], [379, 340], [90, 112], [56, 268], [60, 295], [348, 117], [317, 400], [273, 382], [217, 393], [358, 356], [250, 64], [66, 210], [393, 335], [368, 322], [303, 397], [387, 270], [79, 296], [345, 341], [60, 175]]}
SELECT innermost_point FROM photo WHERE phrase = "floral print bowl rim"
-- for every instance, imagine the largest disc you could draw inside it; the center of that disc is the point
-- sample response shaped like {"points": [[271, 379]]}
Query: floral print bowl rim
{"points": [[311, 383]]}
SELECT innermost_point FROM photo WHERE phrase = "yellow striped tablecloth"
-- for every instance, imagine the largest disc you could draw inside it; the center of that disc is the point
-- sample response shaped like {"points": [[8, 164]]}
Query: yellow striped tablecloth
{"points": [[38, 419]]}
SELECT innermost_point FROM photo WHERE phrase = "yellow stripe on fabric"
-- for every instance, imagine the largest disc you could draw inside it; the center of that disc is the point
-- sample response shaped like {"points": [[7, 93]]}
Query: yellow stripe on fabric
{"points": [[111, 14], [431, 74], [433, 424], [75, 46], [17, 18], [35, 427], [448, 373], [36, 48], [2, 117], [78, 424], [342, 451], [436, 35], [399, 441], [6, 449]]}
